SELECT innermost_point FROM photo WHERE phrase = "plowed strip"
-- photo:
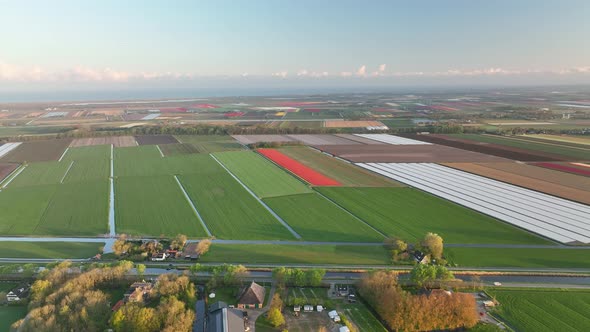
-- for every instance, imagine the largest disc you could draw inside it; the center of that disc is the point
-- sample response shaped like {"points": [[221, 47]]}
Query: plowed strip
{"points": [[297, 168], [564, 168]]}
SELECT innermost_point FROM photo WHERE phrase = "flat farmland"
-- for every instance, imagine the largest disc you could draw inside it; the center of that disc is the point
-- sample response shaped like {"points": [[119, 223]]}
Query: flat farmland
{"points": [[317, 219], [88, 170], [351, 124], [566, 167], [570, 141], [298, 169], [41, 173], [517, 174], [34, 151], [343, 172], [155, 139], [302, 254], [250, 139], [405, 153], [211, 143], [147, 161], [117, 141], [409, 214], [12, 249], [322, 139], [180, 148], [153, 206], [10, 314], [229, 211], [6, 169], [519, 257], [543, 310], [76, 209], [301, 124], [569, 153], [260, 175], [88, 153], [22, 208]]}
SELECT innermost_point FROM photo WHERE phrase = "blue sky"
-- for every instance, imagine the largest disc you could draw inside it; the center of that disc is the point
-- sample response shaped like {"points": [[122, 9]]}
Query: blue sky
{"points": [[327, 41]]}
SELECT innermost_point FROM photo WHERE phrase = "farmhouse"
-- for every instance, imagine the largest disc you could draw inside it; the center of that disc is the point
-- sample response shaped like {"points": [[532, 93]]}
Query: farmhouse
{"points": [[190, 251], [158, 257], [19, 293], [139, 292], [252, 297], [220, 318]]}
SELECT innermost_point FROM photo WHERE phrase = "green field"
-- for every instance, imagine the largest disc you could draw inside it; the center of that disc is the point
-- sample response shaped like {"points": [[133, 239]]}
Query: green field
{"points": [[145, 163], [283, 254], [521, 257], [317, 219], [180, 148], [23, 208], [50, 172], [211, 143], [88, 170], [260, 175], [571, 152], [153, 206], [362, 317], [88, 153], [409, 214], [343, 172], [10, 314], [49, 249], [229, 211], [327, 114], [398, 123], [544, 310]]}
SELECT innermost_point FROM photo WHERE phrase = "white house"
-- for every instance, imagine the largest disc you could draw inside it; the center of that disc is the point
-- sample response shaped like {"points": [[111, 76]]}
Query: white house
{"points": [[19, 293]]}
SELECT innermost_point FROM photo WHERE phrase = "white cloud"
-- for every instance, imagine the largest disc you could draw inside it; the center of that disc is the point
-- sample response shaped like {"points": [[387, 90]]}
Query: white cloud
{"points": [[302, 72], [362, 71], [281, 74], [345, 74], [382, 67]]}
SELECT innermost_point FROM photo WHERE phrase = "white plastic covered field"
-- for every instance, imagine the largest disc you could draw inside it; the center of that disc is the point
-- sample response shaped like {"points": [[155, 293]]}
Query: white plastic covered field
{"points": [[391, 139], [555, 218], [5, 148]]}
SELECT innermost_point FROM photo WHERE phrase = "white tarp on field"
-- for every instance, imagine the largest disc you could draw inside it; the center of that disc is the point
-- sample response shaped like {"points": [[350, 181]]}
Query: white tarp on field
{"points": [[5, 148], [391, 139]]}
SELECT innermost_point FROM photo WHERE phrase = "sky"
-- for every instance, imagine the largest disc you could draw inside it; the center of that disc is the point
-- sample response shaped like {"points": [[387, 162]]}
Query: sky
{"points": [[75, 44]]}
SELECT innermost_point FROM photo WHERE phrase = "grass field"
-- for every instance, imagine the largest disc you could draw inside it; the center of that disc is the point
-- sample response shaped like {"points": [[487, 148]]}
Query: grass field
{"points": [[153, 206], [362, 317], [529, 145], [10, 314], [50, 172], [49, 249], [229, 211], [88, 170], [409, 214], [522, 257], [544, 310], [317, 219], [577, 141], [23, 208], [176, 149], [145, 163], [211, 143], [282, 254], [399, 123], [94, 152], [343, 172], [260, 175]]}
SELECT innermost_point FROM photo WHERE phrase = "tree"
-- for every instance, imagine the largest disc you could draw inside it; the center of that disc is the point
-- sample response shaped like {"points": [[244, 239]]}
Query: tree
{"points": [[178, 242], [121, 245], [298, 277], [433, 244], [275, 317], [151, 247], [195, 268], [422, 274], [315, 277], [140, 269], [280, 275], [203, 247]]}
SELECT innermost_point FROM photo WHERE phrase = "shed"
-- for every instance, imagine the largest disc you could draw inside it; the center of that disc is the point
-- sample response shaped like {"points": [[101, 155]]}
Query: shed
{"points": [[320, 308], [252, 297], [332, 314], [297, 308], [308, 308]]}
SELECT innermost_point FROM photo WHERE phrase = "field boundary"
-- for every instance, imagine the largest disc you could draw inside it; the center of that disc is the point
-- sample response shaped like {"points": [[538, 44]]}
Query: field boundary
{"points": [[66, 173], [190, 202], [352, 214], [111, 221], [16, 173], [63, 154], [160, 150], [277, 217]]}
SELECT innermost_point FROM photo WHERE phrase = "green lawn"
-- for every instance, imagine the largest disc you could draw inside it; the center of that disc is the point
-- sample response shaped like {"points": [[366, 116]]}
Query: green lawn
{"points": [[362, 317], [528, 145], [153, 206], [343, 172], [502, 257], [409, 214], [10, 314], [292, 254], [229, 211], [41, 173], [49, 249], [544, 310], [211, 143], [147, 164], [260, 175], [317, 219]]}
